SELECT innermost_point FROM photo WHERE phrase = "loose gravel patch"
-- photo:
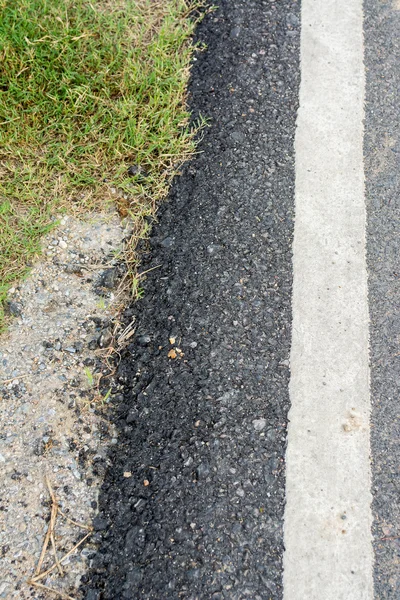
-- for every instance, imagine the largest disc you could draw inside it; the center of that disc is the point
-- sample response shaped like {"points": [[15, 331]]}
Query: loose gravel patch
{"points": [[51, 361]]}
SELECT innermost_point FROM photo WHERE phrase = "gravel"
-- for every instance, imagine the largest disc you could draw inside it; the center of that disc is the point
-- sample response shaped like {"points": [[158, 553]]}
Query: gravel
{"points": [[382, 158], [192, 506], [49, 406]]}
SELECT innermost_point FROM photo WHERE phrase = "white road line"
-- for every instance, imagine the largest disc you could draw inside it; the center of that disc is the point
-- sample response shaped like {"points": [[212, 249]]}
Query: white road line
{"points": [[328, 518]]}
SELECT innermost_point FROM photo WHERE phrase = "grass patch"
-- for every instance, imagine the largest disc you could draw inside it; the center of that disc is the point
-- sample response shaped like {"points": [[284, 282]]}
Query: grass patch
{"points": [[92, 111]]}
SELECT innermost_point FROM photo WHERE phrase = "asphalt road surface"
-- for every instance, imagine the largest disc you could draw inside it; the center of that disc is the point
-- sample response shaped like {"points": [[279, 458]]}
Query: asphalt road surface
{"points": [[260, 415]]}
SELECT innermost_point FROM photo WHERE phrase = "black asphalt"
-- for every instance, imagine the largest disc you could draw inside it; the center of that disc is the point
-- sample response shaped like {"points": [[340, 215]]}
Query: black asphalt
{"points": [[382, 164], [204, 434]]}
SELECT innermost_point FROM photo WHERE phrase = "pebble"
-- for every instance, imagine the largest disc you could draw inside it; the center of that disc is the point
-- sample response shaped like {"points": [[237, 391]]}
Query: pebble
{"points": [[168, 242], [259, 424]]}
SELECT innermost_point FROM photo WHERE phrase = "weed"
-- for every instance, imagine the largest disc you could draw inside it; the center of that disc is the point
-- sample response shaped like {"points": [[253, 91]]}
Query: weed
{"points": [[89, 376], [92, 113]]}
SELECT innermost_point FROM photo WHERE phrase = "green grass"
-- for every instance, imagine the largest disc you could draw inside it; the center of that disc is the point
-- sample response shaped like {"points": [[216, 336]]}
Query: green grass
{"points": [[88, 89]]}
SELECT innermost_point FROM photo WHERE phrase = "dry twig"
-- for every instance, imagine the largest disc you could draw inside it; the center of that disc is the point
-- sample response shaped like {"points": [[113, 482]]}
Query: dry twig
{"points": [[50, 537], [60, 512], [45, 573], [51, 590], [54, 511]]}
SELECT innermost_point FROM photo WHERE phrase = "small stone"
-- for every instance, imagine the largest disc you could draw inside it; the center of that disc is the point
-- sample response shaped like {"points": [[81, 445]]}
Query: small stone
{"points": [[212, 249], [92, 345], [202, 470], [39, 448], [137, 170], [105, 338], [132, 416], [14, 309], [99, 524], [238, 136], [73, 268], [193, 574], [63, 244], [133, 578], [292, 20], [140, 505], [259, 424], [109, 278], [127, 474], [70, 349], [168, 242]]}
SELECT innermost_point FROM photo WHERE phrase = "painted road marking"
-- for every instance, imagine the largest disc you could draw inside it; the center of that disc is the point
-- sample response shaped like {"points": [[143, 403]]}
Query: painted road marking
{"points": [[328, 516]]}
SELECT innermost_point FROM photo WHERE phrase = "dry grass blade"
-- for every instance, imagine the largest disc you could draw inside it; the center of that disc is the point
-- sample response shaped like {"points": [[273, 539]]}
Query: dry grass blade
{"points": [[126, 334], [51, 590], [5, 381], [50, 536], [53, 543], [45, 573], [43, 552], [74, 522], [53, 517]]}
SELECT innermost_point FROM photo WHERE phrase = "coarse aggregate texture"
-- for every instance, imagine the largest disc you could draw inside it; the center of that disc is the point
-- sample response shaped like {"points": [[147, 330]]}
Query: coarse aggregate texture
{"points": [[51, 362], [382, 158], [192, 506]]}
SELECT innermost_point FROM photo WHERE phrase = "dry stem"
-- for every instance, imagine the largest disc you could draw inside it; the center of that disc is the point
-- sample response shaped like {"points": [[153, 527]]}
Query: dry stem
{"points": [[50, 536]]}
